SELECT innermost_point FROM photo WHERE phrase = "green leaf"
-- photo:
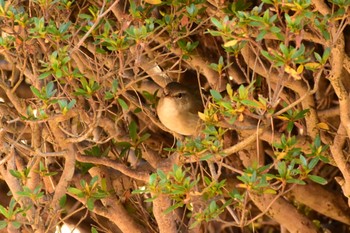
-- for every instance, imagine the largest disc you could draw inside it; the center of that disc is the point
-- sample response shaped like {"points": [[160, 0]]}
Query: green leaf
{"points": [[318, 179], [64, 27], [207, 180], [62, 103], [213, 206], [16, 174], [194, 224], [261, 35], [123, 104], [63, 200], [214, 33], [221, 61], [76, 191], [65, 61], [115, 85], [50, 91], [133, 131], [151, 199], [216, 95], [290, 126], [318, 57], [26, 192], [109, 95], [84, 82], [301, 114], [280, 36], [263, 168], [4, 212], [216, 23], [144, 137], [173, 207], [36, 92], [138, 191], [85, 16], [80, 91], [282, 168], [149, 96], [93, 230], [266, 16], [191, 9], [16, 224], [295, 181], [59, 73], [45, 75], [71, 104], [161, 175], [3, 224], [255, 23], [250, 103], [214, 66], [284, 49], [313, 162], [179, 174], [227, 105], [324, 159], [275, 29], [326, 54], [206, 157], [326, 34], [266, 55], [317, 141], [93, 181], [303, 161], [90, 204], [299, 52]]}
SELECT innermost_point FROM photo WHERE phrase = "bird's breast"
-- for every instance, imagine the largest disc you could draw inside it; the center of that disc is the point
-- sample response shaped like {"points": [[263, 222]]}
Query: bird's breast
{"points": [[167, 106], [177, 118]]}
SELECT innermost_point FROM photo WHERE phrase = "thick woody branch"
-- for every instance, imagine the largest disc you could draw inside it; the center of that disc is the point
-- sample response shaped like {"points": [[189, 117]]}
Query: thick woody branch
{"points": [[114, 207], [69, 165], [136, 174], [284, 213], [341, 160], [166, 223], [328, 203], [115, 212]]}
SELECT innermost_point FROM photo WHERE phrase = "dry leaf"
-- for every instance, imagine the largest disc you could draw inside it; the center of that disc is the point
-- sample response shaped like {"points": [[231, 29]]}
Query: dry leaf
{"points": [[323, 125]]}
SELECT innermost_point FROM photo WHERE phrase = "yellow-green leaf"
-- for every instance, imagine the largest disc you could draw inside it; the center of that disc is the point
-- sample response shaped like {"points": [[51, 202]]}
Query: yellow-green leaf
{"points": [[283, 118], [153, 2], [300, 69], [312, 66], [202, 116], [292, 72], [230, 43], [229, 90]]}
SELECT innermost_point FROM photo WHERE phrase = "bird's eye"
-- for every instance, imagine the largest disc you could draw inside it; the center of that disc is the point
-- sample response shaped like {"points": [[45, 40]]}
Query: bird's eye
{"points": [[179, 95]]}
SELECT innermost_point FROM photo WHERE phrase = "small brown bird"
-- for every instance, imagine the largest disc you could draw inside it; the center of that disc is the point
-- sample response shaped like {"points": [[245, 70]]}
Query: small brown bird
{"points": [[178, 109]]}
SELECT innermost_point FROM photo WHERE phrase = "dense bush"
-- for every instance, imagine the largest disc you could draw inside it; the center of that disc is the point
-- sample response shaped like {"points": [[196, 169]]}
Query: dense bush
{"points": [[81, 142]]}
